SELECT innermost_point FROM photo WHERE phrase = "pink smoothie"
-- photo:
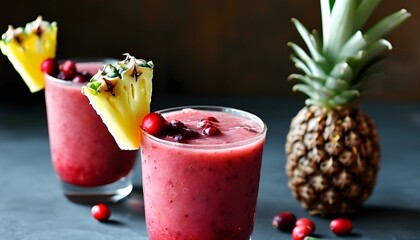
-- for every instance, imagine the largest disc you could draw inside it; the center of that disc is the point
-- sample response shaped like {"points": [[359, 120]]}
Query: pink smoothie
{"points": [[83, 151], [206, 188]]}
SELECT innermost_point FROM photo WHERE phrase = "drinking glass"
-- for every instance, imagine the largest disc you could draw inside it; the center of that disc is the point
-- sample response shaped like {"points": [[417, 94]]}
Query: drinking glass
{"points": [[85, 156], [202, 191]]}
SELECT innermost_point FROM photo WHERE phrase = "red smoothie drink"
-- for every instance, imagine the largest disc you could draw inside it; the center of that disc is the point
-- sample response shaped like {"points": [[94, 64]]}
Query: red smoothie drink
{"points": [[205, 187], [84, 154]]}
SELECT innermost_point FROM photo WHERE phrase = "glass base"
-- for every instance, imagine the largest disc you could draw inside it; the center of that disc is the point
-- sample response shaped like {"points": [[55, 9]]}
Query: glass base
{"points": [[110, 193]]}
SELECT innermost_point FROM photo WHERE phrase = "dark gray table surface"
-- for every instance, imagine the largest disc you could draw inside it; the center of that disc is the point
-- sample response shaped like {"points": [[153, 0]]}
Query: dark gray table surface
{"points": [[32, 206]]}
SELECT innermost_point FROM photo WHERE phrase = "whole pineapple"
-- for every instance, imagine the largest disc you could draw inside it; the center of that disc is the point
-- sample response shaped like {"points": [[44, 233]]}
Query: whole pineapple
{"points": [[332, 147]]}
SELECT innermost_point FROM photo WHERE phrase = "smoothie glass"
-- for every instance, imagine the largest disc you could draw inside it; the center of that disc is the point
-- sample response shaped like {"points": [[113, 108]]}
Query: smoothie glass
{"points": [[85, 156], [200, 190]]}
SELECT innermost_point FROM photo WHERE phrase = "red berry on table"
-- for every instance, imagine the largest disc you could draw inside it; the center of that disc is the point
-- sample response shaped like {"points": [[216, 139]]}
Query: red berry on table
{"points": [[100, 212], [68, 67], [300, 232], [284, 221], [306, 222], [154, 123], [49, 66], [341, 226]]}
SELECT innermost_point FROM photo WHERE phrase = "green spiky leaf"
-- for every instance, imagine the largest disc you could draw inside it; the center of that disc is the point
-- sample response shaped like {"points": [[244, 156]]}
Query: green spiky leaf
{"points": [[309, 62], [341, 28], [310, 41], [363, 11], [337, 63], [313, 82], [386, 25], [342, 70]]}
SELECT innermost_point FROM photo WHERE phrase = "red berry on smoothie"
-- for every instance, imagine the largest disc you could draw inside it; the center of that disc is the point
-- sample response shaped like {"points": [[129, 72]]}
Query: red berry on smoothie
{"points": [[154, 124]]}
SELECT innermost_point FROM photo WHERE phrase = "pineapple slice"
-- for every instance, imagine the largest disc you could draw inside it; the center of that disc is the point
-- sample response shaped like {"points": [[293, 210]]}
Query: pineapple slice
{"points": [[28, 47], [121, 95]]}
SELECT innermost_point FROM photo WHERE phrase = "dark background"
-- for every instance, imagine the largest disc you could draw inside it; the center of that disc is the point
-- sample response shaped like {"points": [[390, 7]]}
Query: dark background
{"points": [[206, 48]]}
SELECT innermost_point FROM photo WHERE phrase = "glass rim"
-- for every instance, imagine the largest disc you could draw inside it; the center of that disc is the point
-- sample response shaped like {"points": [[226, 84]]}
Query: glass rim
{"points": [[216, 108], [81, 60]]}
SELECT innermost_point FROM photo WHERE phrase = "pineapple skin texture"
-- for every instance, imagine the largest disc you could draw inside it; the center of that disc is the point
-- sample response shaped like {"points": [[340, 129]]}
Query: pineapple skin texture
{"points": [[333, 158], [123, 111], [27, 55]]}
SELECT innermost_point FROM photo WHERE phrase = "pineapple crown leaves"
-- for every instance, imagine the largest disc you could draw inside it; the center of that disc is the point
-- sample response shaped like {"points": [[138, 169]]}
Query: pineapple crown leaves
{"points": [[107, 78], [336, 62]]}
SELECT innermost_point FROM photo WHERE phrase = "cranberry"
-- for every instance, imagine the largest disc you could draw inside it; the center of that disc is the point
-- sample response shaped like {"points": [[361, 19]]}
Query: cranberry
{"points": [[180, 138], [185, 134], [68, 67], [341, 226], [154, 123], [62, 76], [306, 222], [175, 126], [49, 66], [300, 232], [204, 123], [79, 78], [212, 119], [179, 131], [86, 74], [100, 212], [190, 133], [211, 131], [284, 221]]}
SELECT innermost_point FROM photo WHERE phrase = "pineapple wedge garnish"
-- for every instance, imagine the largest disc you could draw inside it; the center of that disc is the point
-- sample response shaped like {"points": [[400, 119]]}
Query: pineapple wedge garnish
{"points": [[28, 47], [121, 95]]}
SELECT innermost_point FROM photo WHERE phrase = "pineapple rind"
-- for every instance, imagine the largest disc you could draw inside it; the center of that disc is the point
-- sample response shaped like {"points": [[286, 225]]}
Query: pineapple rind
{"points": [[122, 109], [317, 143], [27, 54]]}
